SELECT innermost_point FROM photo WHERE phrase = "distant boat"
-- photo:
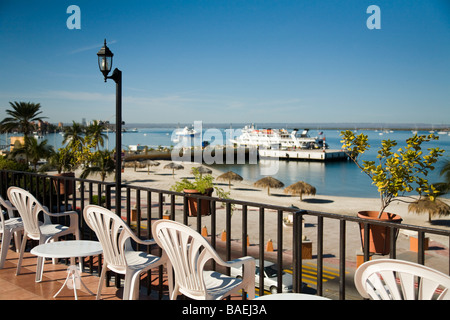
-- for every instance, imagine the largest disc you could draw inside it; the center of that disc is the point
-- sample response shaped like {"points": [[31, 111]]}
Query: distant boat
{"points": [[187, 132], [130, 130]]}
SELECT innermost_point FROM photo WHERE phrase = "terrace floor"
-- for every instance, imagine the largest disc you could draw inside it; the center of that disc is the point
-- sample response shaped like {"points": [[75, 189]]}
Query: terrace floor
{"points": [[24, 287]]}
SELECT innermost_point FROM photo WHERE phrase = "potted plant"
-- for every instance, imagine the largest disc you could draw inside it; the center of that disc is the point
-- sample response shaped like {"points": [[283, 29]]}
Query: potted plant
{"points": [[394, 174], [201, 185]]}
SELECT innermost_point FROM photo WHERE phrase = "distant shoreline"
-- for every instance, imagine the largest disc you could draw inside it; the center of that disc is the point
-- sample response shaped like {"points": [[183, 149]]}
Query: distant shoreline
{"points": [[299, 125], [315, 126]]}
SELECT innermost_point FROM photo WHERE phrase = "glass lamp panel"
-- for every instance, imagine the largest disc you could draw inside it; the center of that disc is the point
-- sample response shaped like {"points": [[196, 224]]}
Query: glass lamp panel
{"points": [[105, 63]]}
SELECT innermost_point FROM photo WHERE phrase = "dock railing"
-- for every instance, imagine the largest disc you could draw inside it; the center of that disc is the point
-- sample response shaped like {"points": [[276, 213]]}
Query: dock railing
{"points": [[234, 228]]}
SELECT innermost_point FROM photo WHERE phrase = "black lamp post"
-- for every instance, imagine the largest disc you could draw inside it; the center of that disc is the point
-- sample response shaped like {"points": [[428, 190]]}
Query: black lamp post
{"points": [[105, 64]]}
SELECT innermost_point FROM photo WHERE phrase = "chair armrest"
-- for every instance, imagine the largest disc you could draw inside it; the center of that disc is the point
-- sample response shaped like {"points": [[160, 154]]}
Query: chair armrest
{"points": [[61, 214], [240, 261], [248, 276], [72, 214], [147, 242]]}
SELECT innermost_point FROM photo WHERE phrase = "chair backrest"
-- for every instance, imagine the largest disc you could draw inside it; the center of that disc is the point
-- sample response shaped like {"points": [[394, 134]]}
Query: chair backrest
{"points": [[188, 252], [392, 279], [112, 232], [8, 206], [28, 208]]}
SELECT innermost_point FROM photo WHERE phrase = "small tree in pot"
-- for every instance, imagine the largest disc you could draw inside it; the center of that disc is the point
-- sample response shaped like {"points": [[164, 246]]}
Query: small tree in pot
{"points": [[395, 173]]}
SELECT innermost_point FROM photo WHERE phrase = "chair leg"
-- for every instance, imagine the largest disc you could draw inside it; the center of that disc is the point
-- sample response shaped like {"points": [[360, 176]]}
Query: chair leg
{"points": [[250, 292], [41, 260], [22, 250], [18, 240], [129, 284], [170, 278], [6, 240], [174, 294], [102, 279]]}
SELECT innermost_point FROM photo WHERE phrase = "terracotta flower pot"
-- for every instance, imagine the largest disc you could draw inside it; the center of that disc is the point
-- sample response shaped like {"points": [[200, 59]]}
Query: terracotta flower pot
{"points": [[379, 236], [192, 202]]}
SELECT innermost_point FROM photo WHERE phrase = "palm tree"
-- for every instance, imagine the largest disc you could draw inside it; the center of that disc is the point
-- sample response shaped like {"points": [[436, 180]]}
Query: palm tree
{"points": [[21, 117], [103, 164], [444, 186], [95, 133], [34, 150], [73, 135], [435, 207]]}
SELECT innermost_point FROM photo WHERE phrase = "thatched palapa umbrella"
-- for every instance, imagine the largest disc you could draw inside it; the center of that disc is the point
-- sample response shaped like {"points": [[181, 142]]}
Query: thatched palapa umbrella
{"points": [[230, 176], [201, 170], [300, 188], [174, 166], [152, 163], [268, 182], [434, 208]]}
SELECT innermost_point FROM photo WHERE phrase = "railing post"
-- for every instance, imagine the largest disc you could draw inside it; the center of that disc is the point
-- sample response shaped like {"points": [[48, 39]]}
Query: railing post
{"points": [[393, 243], [108, 196], [244, 230], [420, 244], [297, 249], [228, 231], [200, 204], [366, 246], [342, 253], [261, 251], [280, 249], [320, 256]]}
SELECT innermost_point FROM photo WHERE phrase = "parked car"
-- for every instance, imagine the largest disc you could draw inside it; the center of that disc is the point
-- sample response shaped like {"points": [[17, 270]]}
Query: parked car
{"points": [[270, 277]]}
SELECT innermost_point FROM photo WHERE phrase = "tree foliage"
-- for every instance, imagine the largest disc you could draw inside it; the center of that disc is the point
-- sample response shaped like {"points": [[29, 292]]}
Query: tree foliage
{"points": [[395, 173], [21, 117]]}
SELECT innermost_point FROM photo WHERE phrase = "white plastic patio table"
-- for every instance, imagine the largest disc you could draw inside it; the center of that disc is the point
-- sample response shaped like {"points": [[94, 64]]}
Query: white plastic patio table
{"points": [[291, 296], [69, 249]]}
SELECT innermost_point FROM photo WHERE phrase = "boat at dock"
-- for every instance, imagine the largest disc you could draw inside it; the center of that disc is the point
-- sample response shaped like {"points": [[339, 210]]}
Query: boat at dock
{"points": [[323, 155], [278, 138]]}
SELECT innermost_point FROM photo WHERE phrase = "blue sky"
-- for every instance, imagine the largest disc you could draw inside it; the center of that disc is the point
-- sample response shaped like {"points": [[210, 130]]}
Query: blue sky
{"points": [[231, 61]]}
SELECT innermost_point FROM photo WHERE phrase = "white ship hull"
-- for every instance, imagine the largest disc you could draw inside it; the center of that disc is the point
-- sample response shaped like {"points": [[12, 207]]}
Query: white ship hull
{"points": [[278, 138]]}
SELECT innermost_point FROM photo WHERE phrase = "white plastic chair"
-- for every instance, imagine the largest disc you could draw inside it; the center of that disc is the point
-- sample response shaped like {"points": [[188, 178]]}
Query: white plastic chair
{"points": [[188, 252], [392, 279], [8, 227], [119, 256], [29, 209]]}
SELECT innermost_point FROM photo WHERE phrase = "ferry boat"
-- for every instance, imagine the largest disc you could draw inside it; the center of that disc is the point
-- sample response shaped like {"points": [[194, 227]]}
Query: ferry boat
{"points": [[187, 132], [278, 138]]}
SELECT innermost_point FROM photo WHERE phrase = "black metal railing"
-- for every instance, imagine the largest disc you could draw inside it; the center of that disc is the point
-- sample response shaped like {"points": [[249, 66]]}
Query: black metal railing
{"points": [[258, 224]]}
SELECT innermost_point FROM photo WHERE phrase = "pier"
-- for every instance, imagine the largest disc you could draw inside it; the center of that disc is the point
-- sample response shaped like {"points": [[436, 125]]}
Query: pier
{"points": [[241, 155], [209, 155], [303, 154]]}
